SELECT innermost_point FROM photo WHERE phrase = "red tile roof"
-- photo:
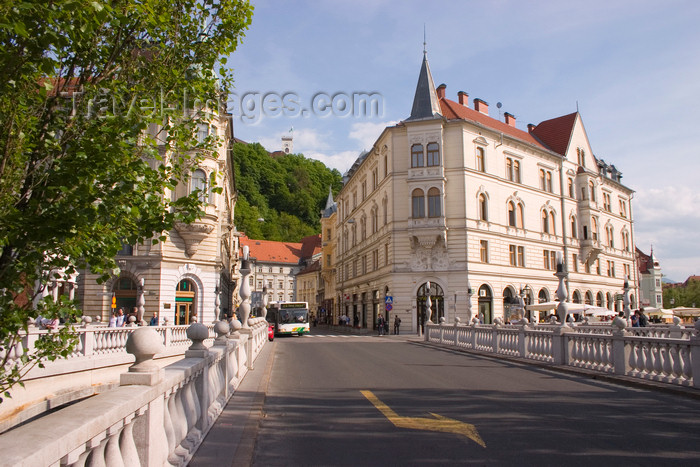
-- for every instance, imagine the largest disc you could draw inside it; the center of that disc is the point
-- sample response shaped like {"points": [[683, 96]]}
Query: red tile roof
{"points": [[452, 110], [556, 133], [311, 245], [644, 261], [273, 252]]}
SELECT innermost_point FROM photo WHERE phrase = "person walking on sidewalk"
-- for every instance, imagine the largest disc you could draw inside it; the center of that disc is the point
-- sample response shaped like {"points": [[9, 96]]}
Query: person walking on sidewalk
{"points": [[397, 323], [380, 324]]}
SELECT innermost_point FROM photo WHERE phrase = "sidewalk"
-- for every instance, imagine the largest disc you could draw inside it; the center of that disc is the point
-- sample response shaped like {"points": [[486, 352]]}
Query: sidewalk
{"points": [[231, 440]]}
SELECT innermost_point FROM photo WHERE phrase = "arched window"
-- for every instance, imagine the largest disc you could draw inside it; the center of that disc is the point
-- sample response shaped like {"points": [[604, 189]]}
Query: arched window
{"points": [[591, 188], [418, 204], [543, 185], [599, 299], [543, 296], [480, 160], [520, 221], [511, 213], [576, 297], [434, 203], [571, 187], [516, 171], [609, 301], [589, 298], [610, 236], [483, 208], [552, 224], [574, 227], [548, 185], [545, 222], [433, 154], [385, 202], [199, 182], [594, 228], [417, 155], [375, 219]]}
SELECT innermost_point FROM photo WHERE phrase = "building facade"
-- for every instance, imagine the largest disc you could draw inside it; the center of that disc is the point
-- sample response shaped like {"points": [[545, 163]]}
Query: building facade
{"points": [[191, 275], [650, 286], [275, 266], [473, 212]]}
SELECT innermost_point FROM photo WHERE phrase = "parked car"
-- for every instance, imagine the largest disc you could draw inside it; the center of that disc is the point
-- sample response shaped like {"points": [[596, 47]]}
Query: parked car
{"points": [[270, 332]]}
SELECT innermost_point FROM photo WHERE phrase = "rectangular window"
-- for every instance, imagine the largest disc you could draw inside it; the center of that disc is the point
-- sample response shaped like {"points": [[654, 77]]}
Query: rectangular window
{"points": [[575, 262], [328, 261], [386, 255], [545, 257], [260, 284], [280, 284], [550, 259], [269, 284], [588, 267], [606, 202], [484, 251], [513, 255], [480, 162], [521, 256], [597, 267], [626, 269], [658, 282]]}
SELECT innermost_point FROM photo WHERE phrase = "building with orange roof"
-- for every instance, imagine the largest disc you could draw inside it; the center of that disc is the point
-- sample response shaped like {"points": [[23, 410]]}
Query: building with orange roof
{"points": [[470, 204], [276, 264], [650, 286]]}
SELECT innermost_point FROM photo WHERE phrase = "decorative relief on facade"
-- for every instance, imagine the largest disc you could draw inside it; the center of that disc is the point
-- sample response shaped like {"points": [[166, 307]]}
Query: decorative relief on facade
{"points": [[194, 233], [429, 253]]}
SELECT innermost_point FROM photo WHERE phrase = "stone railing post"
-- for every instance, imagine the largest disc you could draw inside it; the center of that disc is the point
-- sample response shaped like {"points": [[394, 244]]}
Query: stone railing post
{"points": [[473, 336], [89, 342], [522, 342], [143, 344], [442, 330], [695, 355], [495, 342], [560, 345], [456, 331]]}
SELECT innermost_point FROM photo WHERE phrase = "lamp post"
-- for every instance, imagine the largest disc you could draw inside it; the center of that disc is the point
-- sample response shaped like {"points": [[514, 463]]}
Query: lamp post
{"points": [[626, 301], [428, 305], [524, 291], [244, 291], [469, 303], [562, 293]]}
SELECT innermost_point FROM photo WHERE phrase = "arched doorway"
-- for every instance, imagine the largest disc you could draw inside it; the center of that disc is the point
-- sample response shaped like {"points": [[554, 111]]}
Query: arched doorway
{"points": [[124, 290], [511, 305], [485, 304], [589, 298], [185, 302], [599, 300], [438, 303]]}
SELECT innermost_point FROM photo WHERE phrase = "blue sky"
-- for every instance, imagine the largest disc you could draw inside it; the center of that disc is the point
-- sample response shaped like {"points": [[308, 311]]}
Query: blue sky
{"points": [[632, 67]]}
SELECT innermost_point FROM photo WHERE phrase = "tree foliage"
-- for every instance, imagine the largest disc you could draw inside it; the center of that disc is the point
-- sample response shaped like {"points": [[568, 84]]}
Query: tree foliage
{"points": [[99, 101], [687, 295], [287, 192]]}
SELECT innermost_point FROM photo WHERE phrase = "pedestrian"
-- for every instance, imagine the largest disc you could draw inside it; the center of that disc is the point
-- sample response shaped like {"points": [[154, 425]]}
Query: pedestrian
{"points": [[154, 321], [643, 320], [113, 320], [380, 325], [397, 323], [635, 319], [120, 318]]}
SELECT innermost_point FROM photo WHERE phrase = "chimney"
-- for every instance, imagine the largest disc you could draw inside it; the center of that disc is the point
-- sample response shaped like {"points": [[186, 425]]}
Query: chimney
{"points": [[441, 91], [481, 106], [530, 127], [463, 98], [510, 119]]}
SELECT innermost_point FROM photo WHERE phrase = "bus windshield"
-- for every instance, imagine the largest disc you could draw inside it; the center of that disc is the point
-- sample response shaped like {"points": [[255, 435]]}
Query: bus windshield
{"points": [[293, 316]]}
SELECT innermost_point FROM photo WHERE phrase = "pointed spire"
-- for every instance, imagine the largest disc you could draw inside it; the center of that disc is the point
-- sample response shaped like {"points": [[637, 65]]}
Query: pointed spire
{"points": [[330, 202], [425, 101]]}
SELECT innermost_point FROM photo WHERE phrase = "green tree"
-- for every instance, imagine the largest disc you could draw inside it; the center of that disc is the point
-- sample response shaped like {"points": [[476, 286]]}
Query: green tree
{"points": [[286, 191], [99, 102]]}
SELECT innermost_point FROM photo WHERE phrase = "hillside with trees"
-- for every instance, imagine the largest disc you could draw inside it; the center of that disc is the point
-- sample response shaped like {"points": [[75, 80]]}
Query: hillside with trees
{"points": [[280, 196]]}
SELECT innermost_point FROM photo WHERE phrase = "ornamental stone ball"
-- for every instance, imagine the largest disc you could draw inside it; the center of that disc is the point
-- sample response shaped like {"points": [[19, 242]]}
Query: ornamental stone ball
{"points": [[222, 328], [197, 333], [619, 323], [143, 344], [236, 325]]}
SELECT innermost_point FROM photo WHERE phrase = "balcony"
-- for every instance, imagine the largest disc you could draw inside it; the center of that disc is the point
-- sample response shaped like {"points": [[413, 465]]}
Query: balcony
{"points": [[590, 249], [426, 173], [427, 231]]}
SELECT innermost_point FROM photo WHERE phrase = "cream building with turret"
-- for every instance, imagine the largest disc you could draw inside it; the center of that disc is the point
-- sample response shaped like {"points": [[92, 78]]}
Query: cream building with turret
{"points": [[192, 274], [478, 210]]}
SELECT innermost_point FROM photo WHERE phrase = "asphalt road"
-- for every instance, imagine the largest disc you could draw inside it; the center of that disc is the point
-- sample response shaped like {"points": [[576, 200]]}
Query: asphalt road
{"points": [[375, 401]]}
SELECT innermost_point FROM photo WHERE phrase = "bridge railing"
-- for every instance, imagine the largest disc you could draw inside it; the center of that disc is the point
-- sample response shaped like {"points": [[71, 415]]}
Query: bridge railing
{"points": [[155, 417], [669, 354]]}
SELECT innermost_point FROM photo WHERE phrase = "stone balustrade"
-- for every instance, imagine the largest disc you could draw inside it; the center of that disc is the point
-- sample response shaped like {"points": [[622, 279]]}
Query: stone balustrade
{"points": [[156, 416], [93, 366], [668, 354]]}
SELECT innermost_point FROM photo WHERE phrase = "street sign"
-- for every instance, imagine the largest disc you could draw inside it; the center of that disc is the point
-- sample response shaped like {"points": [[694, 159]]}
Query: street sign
{"points": [[389, 307], [388, 299]]}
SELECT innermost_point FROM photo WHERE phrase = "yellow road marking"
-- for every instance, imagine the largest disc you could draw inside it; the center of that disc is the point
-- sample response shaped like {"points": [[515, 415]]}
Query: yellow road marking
{"points": [[439, 423]]}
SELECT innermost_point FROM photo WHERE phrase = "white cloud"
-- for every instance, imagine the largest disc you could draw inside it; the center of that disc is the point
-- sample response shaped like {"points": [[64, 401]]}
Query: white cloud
{"points": [[669, 219], [367, 132], [340, 160]]}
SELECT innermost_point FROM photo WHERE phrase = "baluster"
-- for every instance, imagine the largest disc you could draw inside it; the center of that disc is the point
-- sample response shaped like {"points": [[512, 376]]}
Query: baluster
{"points": [[170, 435], [633, 359], [127, 445], [97, 453], [113, 455], [687, 366], [650, 353]]}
